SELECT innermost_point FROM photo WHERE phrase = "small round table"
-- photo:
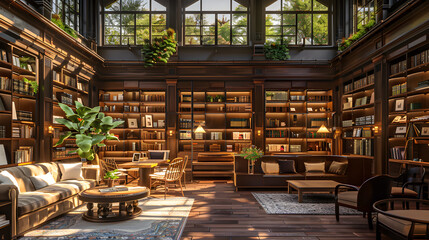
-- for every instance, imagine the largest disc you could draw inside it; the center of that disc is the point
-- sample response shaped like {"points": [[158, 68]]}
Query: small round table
{"points": [[127, 209]]}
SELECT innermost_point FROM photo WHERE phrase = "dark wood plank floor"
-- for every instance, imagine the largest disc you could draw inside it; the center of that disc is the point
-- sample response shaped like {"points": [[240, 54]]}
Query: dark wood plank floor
{"points": [[221, 213]]}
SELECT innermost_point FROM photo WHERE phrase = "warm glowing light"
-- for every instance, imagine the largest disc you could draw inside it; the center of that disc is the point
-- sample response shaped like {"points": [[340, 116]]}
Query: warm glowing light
{"points": [[200, 129], [323, 129]]}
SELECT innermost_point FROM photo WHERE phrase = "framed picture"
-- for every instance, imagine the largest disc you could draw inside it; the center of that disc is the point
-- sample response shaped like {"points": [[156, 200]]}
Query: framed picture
{"points": [[292, 109], [425, 131], [399, 105], [136, 157], [143, 122], [149, 121], [309, 109], [132, 123], [402, 129]]}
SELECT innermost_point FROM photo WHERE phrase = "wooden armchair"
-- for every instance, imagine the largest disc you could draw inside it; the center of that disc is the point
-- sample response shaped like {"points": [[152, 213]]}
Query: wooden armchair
{"points": [[412, 177], [363, 197], [173, 174], [405, 223]]}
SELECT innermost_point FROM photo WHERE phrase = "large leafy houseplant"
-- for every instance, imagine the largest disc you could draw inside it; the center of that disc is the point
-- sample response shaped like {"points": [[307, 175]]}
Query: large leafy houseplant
{"points": [[276, 51], [89, 127], [160, 50], [252, 154]]}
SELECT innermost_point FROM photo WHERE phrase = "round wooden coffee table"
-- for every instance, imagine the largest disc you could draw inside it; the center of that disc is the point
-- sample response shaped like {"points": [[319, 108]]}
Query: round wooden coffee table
{"points": [[128, 204]]}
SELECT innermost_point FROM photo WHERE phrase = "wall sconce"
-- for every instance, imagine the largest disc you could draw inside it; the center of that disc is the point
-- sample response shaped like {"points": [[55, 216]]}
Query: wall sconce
{"points": [[375, 129], [170, 133], [259, 133], [50, 129]]}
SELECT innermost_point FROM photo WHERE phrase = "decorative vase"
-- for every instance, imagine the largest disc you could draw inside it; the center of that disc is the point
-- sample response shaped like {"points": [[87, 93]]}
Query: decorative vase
{"points": [[110, 183], [251, 167]]}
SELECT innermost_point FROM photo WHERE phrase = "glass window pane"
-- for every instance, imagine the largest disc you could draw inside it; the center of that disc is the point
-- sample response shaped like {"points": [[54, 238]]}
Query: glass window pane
{"points": [[273, 30], [192, 30], [192, 19], [195, 6], [218, 5], [318, 6], [128, 40], [111, 19], [142, 19], [320, 29], [239, 30], [289, 19], [304, 29], [289, 40], [275, 6], [208, 40], [273, 39], [111, 40], [127, 30], [192, 40], [239, 40], [273, 19], [301, 5], [113, 7], [141, 5], [127, 19], [224, 29], [159, 20], [142, 34], [209, 31], [209, 19], [158, 31], [239, 19], [130, 5], [240, 5], [157, 5], [289, 31]]}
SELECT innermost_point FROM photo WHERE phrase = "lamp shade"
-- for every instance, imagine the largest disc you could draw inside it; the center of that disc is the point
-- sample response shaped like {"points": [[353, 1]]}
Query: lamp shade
{"points": [[200, 129], [323, 129]]}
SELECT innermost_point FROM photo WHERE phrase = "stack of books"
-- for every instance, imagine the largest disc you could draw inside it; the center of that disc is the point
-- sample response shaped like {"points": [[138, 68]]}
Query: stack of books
{"points": [[23, 131], [24, 115], [3, 221]]}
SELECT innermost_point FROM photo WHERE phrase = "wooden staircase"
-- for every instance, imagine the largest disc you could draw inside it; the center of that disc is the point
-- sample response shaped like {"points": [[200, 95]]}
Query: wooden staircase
{"points": [[213, 165]]}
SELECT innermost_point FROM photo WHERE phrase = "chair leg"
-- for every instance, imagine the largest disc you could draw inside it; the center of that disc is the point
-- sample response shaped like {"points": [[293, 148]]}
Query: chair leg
{"points": [[184, 180], [126, 179], [377, 232], [369, 218], [337, 212], [181, 189], [165, 190]]}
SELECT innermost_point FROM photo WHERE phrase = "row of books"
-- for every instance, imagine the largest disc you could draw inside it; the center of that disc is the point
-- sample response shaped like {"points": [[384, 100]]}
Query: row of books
{"points": [[241, 135], [275, 123], [247, 108], [275, 133], [399, 89], [22, 87], [319, 98], [23, 131], [364, 100], [153, 135], [3, 55], [398, 67], [153, 98], [107, 97], [359, 83], [5, 83], [239, 123], [152, 146], [82, 86], [317, 122], [277, 147], [216, 135], [363, 147], [24, 154], [365, 120], [397, 152], [237, 147], [27, 64], [24, 115], [419, 58], [64, 151], [2, 131], [297, 97]]}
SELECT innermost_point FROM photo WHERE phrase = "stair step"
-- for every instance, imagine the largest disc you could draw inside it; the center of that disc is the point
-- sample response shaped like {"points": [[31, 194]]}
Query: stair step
{"points": [[213, 163], [213, 173]]}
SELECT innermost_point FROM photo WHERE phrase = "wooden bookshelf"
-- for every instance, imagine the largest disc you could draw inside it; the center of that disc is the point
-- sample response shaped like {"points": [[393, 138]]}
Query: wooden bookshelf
{"points": [[408, 101], [357, 115], [145, 122], [18, 108], [292, 118], [226, 116]]}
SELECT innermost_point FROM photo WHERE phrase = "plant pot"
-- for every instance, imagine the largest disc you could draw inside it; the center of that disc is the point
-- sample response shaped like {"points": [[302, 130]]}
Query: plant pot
{"points": [[251, 167], [110, 182], [269, 98]]}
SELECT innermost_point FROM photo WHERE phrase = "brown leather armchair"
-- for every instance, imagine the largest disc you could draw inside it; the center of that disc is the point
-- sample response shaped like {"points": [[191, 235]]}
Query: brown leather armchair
{"points": [[362, 198]]}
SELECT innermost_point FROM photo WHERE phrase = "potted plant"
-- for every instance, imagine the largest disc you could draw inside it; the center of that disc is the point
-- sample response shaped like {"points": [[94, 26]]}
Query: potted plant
{"points": [[111, 176], [89, 127], [252, 154], [210, 98], [219, 98]]}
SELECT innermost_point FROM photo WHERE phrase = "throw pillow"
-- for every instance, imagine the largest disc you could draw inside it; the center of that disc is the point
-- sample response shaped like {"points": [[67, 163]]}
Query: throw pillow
{"points": [[270, 168], [314, 167], [71, 171], [338, 168], [8, 179], [287, 166], [42, 181]]}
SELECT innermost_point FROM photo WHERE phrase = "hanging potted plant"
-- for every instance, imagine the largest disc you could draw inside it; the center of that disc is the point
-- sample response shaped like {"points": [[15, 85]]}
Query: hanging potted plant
{"points": [[111, 176], [251, 154], [89, 127], [160, 50]]}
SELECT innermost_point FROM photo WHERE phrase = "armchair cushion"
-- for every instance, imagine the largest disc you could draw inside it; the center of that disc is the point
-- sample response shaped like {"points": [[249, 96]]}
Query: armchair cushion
{"points": [[397, 191], [403, 226], [348, 198]]}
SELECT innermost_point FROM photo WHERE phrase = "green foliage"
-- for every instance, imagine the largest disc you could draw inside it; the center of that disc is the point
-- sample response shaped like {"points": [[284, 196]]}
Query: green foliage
{"points": [[160, 50], [112, 174], [89, 127], [276, 51], [34, 85], [209, 98], [362, 30], [219, 97], [252, 154], [57, 20]]}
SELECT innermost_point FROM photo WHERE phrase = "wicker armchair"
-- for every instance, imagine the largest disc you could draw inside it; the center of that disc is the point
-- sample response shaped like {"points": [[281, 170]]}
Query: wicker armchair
{"points": [[173, 174]]}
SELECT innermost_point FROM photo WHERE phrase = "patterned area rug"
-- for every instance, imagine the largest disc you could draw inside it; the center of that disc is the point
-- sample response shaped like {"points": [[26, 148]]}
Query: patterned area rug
{"points": [[160, 220], [313, 204]]}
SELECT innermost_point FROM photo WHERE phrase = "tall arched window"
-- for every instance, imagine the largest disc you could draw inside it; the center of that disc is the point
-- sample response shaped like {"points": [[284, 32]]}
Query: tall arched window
{"points": [[298, 22], [68, 10], [220, 22], [131, 22]]}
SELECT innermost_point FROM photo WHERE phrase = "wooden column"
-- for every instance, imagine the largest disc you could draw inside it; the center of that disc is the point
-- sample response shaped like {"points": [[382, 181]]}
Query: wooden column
{"points": [[171, 117], [258, 113]]}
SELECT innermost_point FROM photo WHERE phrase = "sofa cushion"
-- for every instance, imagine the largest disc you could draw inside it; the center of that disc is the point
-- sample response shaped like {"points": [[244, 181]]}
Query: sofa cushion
{"points": [[69, 187], [51, 168], [31, 170], [314, 167], [43, 180], [71, 171], [31, 201], [402, 226], [348, 198], [8, 179], [287, 166], [24, 182], [339, 168], [270, 168]]}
